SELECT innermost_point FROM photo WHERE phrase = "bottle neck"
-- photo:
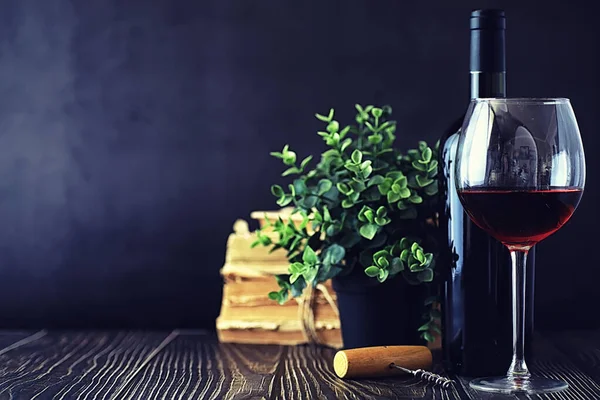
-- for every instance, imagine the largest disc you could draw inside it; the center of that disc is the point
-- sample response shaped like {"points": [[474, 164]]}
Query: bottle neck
{"points": [[488, 84]]}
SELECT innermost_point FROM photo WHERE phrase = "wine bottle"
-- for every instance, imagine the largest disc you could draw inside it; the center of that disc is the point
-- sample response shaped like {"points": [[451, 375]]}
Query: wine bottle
{"points": [[476, 275]]}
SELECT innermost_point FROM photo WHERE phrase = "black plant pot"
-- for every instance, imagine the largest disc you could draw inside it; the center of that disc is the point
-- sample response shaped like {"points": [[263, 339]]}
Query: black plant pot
{"points": [[378, 314]]}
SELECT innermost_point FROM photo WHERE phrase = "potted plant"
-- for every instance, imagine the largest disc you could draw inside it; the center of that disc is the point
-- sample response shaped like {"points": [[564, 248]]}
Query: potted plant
{"points": [[367, 221]]}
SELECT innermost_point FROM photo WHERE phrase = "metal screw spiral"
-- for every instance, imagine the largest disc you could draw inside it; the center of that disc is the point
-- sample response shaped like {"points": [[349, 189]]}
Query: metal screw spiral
{"points": [[445, 383]]}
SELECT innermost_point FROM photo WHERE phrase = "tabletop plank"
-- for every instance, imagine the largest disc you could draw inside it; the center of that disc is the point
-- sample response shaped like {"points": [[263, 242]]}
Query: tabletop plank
{"points": [[194, 365], [197, 366], [583, 349], [71, 365]]}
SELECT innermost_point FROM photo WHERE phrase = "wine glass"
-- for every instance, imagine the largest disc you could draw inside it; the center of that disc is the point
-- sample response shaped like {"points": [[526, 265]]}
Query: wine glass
{"points": [[520, 174]]}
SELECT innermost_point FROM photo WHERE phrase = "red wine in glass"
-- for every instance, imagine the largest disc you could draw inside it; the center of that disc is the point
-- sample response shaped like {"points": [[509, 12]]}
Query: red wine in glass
{"points": [[520, 218], [520, 174]]}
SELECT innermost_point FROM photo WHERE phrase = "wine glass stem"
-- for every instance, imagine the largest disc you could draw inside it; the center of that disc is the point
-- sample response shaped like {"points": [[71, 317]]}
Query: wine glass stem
{"points": [[518, 368]]}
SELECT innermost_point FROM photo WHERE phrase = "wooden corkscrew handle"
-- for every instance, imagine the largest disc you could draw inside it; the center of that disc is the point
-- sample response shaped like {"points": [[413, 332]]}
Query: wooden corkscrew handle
{"points": [[370, 362]]}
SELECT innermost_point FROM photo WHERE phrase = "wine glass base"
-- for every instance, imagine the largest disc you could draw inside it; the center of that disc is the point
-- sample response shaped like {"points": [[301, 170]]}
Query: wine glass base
{"points": [[508, 385]]}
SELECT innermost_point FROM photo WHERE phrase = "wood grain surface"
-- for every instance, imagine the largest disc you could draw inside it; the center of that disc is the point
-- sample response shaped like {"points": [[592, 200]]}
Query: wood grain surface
{"points": [[193, 365]]}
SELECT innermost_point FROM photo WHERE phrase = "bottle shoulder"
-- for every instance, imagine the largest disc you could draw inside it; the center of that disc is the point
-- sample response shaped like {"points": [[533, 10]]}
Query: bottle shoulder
{"points": [[449, 138]]}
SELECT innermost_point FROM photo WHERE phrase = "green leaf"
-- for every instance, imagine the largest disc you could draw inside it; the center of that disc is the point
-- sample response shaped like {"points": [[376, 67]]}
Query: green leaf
{"points": [[368, 231], [274, 296], [330, 154], [305, 162], [367, 169], [402, 181], [294, 277], [414, 247], [324, 134], [377, 112], [383, 275], [370, 126], [428, 259], [381, 221], [385, 186], [357, 186], [404, 255], [375, 180], [420, 256], [404, 193], [382, 262], [415, 199], [422, 145], [405, 243], [309, 202], [333, 229], [428, 336], [296, 268], [309, 256], [310, 274], [284, 201], [375, 138], [426, 155], [381, 211], [423, 181], [330, 115], [276, 154], [289, 158], [372, 271], [416, 267], [322, 118], [334, 254], [380, 253], [418, 166], [396, 266], [426, 275], [393, 197], [396, 188], [347, 203], [292, 189], [345, 131], [297, 287], [326, 214], [395, 250], [432, 166], [402, 205], [356, 156], [394, 175], [300, 188], [413, 154], [343, 188], [347, 142], [323, 186], [361, 214], [333, 127], [369, 215], [432, 189], [277, 191], [424, 328]]}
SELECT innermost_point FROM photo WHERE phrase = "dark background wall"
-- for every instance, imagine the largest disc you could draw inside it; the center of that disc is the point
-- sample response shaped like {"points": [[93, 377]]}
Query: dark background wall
{"points": [[134, 133]]}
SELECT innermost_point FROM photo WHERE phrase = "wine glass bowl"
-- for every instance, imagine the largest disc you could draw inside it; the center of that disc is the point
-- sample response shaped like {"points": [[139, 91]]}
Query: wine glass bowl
{"points": [[520, 174]]}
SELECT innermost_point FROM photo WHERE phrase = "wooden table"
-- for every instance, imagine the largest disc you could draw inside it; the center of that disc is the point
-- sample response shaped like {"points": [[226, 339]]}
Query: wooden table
{"points": [[193, 365]]}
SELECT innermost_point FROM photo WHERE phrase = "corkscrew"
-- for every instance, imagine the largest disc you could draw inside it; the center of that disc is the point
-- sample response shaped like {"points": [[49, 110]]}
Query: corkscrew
{"points": [[445, 383], [379, 361]]}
